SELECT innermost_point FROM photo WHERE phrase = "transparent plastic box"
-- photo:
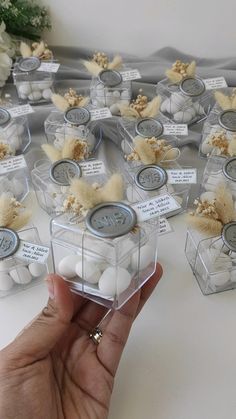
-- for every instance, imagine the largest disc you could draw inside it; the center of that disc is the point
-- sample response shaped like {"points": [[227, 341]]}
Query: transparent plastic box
{"points": [[58, 129], [15, 184], [17, 274], [219, 128], [33, 86], [108, 90], [186, 102], [109, 261], [14, 134]]}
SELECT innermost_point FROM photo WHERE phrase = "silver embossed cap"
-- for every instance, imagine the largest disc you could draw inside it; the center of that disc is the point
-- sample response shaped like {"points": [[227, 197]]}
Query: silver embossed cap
{"points": [[77, 116], [229, 169], [62, 171], [4, 116], [192, 86], [111, 219], [110, 78], [227, 119], [229, 235], [29, 64], [149, 127], [9, 242], [151, 177]]}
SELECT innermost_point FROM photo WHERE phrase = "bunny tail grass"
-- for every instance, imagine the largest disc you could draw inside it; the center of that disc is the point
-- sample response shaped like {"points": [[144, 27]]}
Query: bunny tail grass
{"points": [[191, 69], [39, 50], [144, 150], [20, 220], [115, 63], [173, 76], [127, 111], [87, 196], [59, 101], [152, 108], [223, 101], [25, 50], [92, 67], [52, 153], [113, 190], [205, 225], [7, 210], [224, 204]]}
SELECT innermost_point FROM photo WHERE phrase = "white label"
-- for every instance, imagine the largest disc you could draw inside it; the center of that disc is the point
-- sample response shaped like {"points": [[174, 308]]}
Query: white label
{"points": [[130, 75], [175, 129], [154, 207], [164, 226], [49, 67], [93, 167], [32, 252], [102, 113], [182, 176], [14, 163], [20, 110], [215, 83]]}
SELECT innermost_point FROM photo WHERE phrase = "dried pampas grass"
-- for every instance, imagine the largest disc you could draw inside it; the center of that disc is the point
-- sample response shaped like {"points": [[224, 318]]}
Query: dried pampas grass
{"points": [[232, 147], [39, 50], [205, 225], [173, 76], [20, 221], [191, 69], [12, 214], [52, 152], [60, 102], [144, 150], [224, 204], [25, 50], [180, 70], [141, 108], [223, 100], [92, 67], [116, 63], [152, 108], [73, 148], [113, 190]]}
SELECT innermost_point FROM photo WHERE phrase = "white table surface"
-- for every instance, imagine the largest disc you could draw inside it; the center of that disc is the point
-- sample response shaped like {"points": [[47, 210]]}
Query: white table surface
{"points": [[179, 362]]}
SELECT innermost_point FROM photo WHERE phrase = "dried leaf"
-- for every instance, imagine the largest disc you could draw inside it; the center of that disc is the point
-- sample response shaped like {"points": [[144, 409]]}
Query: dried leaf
{"points": [[52, 153], [87, 196], [205, 225], [152, 108], [115, 63], [144, 150], [224, 204], [60, 102], [173, 76], [223, 100], [20, 220], [191, 69], [92, 67], [113, 190], [25, 50]]}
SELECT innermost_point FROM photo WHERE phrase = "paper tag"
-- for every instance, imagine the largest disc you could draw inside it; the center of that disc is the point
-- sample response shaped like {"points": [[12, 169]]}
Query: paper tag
{"points": [[175, 129], [20, 110], [164, 226], [215, 83], [49, 67], [159, 205], [130, 75], [14, 163], [93, 167], [32, 252], [182, 176], [102, 113]]}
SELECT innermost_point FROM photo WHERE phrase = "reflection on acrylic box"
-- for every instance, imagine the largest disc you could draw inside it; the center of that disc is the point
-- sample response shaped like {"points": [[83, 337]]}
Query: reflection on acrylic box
{"points": [[105, 255], [14, 177], [219, 130], [211, 244]]}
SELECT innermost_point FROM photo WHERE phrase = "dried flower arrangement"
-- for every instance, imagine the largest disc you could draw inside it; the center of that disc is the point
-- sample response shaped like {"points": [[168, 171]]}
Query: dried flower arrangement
{"points": [[84, 196], [210, 216], [141, 107], [100, 61], [222, 145], [226, 101], [5, 151], [152, 151], [12, 213], [73, 148], [180, 70], [37, 49], [70, 98]]}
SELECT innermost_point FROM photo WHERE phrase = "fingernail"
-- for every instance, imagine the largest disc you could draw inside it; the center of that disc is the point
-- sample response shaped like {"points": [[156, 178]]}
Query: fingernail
{"points": [[50, 286]]}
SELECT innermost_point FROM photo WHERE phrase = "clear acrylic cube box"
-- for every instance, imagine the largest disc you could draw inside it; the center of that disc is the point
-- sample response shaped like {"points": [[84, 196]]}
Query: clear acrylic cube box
{"points": [[15, 184], [17, 274], [33, 86], [186, 102], [211, 259], [107, 270], [109, 90], [219, 122], [58, 129], [14, 133]]}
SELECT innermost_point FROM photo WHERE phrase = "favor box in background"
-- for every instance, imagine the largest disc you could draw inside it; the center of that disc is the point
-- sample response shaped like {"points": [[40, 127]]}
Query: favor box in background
{"points": [[14, 133]]}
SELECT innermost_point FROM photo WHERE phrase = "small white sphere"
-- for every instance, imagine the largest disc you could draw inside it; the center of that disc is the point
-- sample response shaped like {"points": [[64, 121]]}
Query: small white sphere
{"points": [[15, 143], [192, 111], [219, 279], [208, 196], [24, 89], [88, 271], [114, 281], [47, 94], [21, 275], [116, 94], [125, 95], [45, 85], [179, 99], [6, 282], [67, 265], [37, 269], [141, 259], [115, 109], [172, 107], [36, 95], [24, 97]]}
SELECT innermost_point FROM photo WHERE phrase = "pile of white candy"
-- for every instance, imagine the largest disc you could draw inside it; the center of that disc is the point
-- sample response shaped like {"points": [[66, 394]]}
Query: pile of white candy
{"points": [[12, 135], [15, 187], [35, 90], [103, 96], [66, 131], [181, 108], [12, 274]]}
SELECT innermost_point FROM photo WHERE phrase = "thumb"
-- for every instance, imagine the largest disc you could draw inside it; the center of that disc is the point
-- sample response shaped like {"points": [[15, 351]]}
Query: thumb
{"points": [[40, 336]]}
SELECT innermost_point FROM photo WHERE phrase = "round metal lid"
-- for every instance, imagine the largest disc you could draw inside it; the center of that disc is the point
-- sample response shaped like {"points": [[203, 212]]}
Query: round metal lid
{"points": [[29, 64], [77, 116], [110, 78], [9, 242], [4, 116], [149, 127], [192, 86], [227, 119], [229, 169], [151, 177], [111, 219], [228, 235], [62, 171]]}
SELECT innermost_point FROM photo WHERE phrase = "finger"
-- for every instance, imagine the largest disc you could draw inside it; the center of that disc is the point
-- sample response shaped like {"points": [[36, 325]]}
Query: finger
{"points": [[117, 325], [88, 317], [36, 341]]}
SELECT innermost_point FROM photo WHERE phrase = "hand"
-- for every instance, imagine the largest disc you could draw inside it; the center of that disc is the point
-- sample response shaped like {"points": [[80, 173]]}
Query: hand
{"points": [[53, 370]]}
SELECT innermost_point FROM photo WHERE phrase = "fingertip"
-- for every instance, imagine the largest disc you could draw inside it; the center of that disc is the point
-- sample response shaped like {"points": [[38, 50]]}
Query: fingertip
{"points": [[59, 292]]}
